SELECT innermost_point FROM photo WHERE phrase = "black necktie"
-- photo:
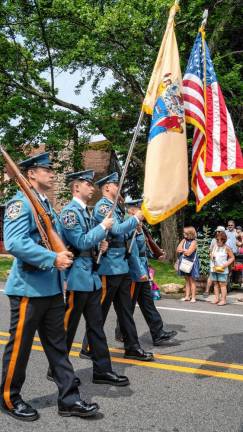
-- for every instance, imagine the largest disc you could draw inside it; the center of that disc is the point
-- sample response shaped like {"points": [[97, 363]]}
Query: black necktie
{"points": [[87, 217], [47, 205]]}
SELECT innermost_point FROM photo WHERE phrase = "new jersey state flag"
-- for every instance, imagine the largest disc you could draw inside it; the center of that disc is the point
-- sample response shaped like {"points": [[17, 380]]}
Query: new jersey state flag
{"points": [[166, 168]]}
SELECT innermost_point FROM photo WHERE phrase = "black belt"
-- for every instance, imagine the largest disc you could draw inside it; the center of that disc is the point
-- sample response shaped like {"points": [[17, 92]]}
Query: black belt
{"points": [[85, 254], [29, 267], [142, 254], [116, 244]]}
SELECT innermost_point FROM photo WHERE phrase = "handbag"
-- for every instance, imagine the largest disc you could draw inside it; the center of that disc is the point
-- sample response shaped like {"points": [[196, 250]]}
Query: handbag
{"points": [[185, 265], [218, 269]]}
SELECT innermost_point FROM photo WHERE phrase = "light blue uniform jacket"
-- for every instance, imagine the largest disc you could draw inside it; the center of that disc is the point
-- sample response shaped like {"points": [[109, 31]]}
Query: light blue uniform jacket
{"points": [[114, 261], [21, 238], [79, 232], [138, 265]]}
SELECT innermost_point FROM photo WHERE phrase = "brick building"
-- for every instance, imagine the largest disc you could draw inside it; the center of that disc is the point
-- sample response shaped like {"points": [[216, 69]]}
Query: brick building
{"points": [[97, 157]]}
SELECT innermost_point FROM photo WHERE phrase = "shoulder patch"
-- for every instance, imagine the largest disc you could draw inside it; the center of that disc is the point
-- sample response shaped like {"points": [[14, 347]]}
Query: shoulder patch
{"points": [[104, 209], [69, 219], [14, 210]]}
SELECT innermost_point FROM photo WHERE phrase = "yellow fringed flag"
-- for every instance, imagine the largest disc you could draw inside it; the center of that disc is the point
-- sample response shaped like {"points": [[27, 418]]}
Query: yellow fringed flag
{"points": [[166, 169]]}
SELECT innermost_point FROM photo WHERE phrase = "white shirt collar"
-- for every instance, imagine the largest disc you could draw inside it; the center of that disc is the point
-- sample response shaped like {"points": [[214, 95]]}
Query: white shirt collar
{"points": [[80, 202], [43, 197]]}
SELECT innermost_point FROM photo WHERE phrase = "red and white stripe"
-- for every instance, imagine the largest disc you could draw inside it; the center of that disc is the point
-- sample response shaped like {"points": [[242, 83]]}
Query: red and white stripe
{"points": [[215, 148], [223, 150]]}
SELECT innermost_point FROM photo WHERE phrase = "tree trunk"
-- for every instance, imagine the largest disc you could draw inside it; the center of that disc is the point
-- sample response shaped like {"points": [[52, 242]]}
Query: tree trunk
{"points": [[169, 237]]}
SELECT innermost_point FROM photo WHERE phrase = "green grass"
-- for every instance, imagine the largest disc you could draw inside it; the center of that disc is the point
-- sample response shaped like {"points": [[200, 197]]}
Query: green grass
{"points": [[5, 264], [165, 273]]}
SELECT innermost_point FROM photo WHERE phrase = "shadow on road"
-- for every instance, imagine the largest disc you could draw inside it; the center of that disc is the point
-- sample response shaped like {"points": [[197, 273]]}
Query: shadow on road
{"points": [[146, 339], [88, 390], [230, 350]]}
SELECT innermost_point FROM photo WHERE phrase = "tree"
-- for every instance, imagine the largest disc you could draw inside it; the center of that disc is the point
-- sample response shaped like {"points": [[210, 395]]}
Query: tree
{"points": [[40, 38], [203, 244]]}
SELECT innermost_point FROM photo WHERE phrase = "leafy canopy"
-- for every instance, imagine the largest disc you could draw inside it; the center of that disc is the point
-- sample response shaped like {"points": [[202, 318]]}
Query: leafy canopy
{"points": [[40, 39]]}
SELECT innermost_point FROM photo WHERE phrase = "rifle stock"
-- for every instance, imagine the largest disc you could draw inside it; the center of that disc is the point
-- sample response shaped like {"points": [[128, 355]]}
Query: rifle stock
{"points": [[49, 236], [156, 250]]}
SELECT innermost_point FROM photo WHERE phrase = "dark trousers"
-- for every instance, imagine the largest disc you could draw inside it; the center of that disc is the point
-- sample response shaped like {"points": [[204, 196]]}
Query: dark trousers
{"points": [[88, 304], [142, 295], [45, 314], [116, 289]]}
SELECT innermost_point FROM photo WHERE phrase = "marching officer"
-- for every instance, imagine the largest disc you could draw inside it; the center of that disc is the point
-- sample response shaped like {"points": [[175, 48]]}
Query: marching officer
{"points": [[83, 283], [113, 268], [140, 287], [34, 288]]}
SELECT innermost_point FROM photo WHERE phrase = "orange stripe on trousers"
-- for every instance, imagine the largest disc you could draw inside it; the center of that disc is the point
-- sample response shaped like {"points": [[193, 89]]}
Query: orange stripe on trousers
{"points": [[132, 289], [104, 289], [14, 356], [103, 295], [69, 309]]}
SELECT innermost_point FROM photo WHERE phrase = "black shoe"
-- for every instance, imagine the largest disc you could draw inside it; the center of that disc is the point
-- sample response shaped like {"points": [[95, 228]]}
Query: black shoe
{"points": [[85, 354], [118, 336], [49, 376], [111, 378], [138, 354], [164, 336], [79, 409], [21, 411]]}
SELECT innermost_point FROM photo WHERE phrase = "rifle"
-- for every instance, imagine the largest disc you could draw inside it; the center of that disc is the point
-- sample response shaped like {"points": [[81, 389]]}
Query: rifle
{"points": [[43, 221], [155, 249]]}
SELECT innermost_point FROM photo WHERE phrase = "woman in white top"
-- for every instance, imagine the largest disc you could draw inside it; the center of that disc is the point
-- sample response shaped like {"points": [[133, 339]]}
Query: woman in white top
{"points": [[221, 258]]}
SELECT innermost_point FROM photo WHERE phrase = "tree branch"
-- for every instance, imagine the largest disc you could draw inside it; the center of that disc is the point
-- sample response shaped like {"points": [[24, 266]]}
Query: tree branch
{"points": [[49, 97], [45, 39], [232, 52], [130, 79], [217, 32]]}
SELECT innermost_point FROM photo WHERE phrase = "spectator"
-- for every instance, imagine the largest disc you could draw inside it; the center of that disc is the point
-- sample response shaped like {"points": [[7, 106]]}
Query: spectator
{"points": [[239, 231], [221, 258], [239, 244], [239, 239], [213, 243], [188, 249], [231, 236]]}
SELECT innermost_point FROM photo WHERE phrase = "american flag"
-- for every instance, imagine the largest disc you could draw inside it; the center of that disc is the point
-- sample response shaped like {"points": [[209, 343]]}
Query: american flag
{"points": [[217, 161]]}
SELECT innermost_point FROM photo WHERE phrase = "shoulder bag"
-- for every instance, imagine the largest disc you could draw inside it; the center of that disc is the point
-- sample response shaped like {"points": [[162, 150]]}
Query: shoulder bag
{"points": [[186, 265]]}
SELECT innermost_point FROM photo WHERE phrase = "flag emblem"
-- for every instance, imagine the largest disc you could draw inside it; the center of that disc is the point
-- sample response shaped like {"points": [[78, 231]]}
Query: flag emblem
{"points": [[168, 114]]}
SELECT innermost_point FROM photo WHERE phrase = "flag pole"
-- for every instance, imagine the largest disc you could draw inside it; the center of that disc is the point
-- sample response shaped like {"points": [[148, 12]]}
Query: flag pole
{"points": [[124, 171], [129, 155], [131, 148], [202, 31]]}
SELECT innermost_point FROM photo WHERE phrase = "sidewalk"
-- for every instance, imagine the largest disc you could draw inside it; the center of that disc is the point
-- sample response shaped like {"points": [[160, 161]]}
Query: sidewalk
{"points": [[233, 297]]}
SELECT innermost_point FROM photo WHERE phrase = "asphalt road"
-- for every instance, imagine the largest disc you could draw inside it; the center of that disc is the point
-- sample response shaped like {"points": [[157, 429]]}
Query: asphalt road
{"points": [[194, 385]]}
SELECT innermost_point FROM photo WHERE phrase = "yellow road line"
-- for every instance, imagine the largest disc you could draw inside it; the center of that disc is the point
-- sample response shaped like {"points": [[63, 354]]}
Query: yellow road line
{"points": [[168, 367], [153, 365], [164, 357], [198, 361]]}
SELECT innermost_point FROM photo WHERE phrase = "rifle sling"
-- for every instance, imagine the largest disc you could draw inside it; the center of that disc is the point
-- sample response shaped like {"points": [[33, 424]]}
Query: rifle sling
{"points": [[40, 228]]}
